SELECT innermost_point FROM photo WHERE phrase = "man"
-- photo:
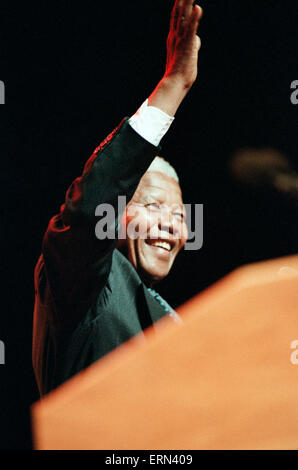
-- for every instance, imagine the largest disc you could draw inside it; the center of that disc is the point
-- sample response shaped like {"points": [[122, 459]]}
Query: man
{"points": [[89, 297]]}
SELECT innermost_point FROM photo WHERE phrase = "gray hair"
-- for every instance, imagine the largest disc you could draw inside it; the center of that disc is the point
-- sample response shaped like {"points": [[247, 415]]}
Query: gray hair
{"points": [[162, 165]]}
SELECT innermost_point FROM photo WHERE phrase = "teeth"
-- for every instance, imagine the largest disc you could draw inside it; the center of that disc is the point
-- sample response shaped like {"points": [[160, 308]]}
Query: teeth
{"points": [[164, 245]]}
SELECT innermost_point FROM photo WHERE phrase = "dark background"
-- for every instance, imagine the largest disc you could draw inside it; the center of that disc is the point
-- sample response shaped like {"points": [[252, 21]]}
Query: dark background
{"points": [[72, 71]]}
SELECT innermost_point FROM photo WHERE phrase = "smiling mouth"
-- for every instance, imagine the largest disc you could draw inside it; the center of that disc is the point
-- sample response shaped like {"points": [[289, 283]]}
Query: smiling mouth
{"points": [[165, 245]]}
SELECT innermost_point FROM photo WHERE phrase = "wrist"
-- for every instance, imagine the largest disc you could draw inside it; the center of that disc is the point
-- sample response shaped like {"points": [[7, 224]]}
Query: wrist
{"points": [[177, 81], [169, 94]]}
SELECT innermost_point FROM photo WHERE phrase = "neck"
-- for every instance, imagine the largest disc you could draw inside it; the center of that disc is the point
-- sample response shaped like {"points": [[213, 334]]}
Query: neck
{"points": [[147, 280]]}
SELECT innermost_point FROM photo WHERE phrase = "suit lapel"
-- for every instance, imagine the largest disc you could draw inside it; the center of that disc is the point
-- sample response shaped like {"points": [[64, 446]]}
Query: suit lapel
{"points": [[148, 308], [155, 310]]}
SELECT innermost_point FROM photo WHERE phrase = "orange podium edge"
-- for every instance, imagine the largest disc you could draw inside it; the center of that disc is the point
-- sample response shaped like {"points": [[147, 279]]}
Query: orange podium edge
{"points": [[227, 378]]}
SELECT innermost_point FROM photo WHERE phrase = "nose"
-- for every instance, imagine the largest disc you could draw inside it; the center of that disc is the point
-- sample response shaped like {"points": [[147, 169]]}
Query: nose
{"points": [[167, 222]]}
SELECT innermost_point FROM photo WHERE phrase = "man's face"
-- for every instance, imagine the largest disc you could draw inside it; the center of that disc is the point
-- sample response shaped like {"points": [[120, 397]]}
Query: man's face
{"points": [[156, 225]]}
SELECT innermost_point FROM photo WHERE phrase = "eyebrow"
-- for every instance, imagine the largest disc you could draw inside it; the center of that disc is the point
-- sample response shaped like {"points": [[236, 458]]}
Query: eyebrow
{"points": [[158, 187], [147, 196]]}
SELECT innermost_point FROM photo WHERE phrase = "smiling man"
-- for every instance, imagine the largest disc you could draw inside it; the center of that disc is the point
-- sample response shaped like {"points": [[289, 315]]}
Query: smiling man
{"points": [[156, 221], [89, 297]]}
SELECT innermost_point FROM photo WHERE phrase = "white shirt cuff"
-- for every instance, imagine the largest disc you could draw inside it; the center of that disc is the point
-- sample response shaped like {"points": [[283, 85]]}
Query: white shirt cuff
{"points": [[151, 123]]}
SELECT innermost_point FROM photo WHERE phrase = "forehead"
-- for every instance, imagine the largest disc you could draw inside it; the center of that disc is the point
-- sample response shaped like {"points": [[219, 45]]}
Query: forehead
{"points": [[158, 185]]}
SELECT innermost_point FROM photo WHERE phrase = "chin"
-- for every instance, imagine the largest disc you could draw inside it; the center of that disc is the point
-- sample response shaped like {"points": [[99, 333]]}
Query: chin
{"points": [[151, 269], [151, 276]]}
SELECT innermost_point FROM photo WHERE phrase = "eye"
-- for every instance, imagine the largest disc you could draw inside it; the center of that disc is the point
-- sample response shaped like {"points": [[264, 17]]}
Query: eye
{"points": [[180, 216], [154, 206]]}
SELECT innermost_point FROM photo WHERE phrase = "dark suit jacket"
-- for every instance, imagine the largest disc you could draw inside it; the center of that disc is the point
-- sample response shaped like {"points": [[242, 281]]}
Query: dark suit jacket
{"points": [[88, 297]]}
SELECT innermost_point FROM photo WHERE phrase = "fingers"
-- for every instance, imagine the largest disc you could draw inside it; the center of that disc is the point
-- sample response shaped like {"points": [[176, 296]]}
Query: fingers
{"points": [[200, 11], [187, 16], [181, 12], [187, 9], [186, 12], [175, 16], [185, 19], [194, 19]]}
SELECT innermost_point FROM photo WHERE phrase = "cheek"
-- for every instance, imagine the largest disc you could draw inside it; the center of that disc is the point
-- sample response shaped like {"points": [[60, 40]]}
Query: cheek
{"points": [[139, 222], [183, 234]]}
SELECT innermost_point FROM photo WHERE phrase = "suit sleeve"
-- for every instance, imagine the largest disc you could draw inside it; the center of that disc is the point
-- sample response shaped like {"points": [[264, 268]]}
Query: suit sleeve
{"points": [[75, 261]]}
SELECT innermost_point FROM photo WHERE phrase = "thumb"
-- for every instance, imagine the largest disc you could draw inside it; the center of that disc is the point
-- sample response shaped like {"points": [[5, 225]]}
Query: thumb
{"points": [[198, 43]]}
